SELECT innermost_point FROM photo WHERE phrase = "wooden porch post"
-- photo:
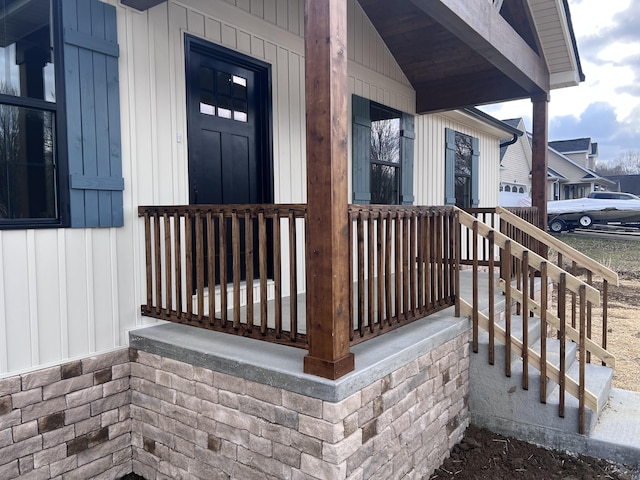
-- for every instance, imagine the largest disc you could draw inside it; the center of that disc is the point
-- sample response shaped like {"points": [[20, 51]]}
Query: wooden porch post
{"points": [[327, 234], [540, 160]]}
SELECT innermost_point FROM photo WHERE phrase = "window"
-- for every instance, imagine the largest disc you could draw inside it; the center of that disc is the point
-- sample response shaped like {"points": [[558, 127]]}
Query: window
{"points": [[385, 156], [59, 115], [507, 188], [461, 170], [382, 154], [27, 113]]}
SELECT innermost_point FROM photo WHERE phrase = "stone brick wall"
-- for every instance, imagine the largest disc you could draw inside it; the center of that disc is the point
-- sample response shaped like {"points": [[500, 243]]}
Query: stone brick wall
{"points": [[189, 421], [70, 421]]}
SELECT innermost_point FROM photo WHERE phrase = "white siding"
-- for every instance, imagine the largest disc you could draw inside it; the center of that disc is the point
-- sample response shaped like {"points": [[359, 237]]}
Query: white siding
{"points": [[429, 175]]}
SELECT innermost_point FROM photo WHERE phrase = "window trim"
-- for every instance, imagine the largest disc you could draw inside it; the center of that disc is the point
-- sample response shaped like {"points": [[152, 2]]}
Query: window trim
{"points": [[361, 152], [58, 110]]}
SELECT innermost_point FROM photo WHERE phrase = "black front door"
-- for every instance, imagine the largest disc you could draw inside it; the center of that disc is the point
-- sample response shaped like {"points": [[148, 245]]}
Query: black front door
{"points": [[228, 108]]}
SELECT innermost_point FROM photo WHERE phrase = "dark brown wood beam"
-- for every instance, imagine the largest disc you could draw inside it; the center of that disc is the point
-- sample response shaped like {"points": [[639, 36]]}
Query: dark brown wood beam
{"points": [[480, 26], [141, 4], [328, 228], [540, 160], [456, 92]]}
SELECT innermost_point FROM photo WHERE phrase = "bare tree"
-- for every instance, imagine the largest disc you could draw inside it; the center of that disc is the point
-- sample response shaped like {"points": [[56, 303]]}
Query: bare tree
{"points": [[627, 163]]}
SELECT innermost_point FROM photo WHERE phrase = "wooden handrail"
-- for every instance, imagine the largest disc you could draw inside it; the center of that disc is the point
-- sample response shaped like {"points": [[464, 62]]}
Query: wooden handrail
{"points": [[535, 260], [563, 248], [534, 359], [554, 321]]}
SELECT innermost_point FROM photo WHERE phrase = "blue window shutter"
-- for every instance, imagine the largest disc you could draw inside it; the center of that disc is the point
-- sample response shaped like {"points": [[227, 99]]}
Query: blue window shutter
{"points": [[93, 113], [475, 170], [407, 136], [450, 167], [361, 150]]}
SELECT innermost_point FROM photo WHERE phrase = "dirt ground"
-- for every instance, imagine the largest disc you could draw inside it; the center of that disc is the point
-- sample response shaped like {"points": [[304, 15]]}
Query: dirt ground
{"points": [[483, 455]]}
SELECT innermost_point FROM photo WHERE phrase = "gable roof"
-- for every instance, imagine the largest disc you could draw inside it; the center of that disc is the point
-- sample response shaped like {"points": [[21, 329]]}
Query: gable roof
{"points": [[573, 145]]}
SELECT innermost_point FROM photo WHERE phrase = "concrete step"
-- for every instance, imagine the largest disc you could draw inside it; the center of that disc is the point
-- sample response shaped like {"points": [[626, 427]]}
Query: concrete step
{"points": [[553, 357]]}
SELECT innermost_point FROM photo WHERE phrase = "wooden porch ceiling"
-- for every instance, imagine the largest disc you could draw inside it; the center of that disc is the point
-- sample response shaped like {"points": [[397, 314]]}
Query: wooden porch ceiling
{"points": [[457, 54]]}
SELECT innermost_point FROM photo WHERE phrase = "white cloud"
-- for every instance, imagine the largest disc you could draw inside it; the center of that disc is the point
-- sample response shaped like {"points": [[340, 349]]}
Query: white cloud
{"points": [[606, 107]]}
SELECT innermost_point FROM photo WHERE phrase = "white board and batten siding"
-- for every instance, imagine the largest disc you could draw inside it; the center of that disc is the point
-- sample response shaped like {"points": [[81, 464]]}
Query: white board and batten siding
{"points": [[429, 169]]}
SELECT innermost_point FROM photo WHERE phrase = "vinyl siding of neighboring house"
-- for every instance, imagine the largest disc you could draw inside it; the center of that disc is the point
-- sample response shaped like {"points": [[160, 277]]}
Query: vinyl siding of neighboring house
{"points": [[515, 167], [69, 293]]}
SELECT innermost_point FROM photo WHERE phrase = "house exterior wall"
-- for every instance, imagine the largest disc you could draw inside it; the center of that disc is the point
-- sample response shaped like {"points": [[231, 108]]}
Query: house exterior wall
{"points": [[516, 164], [69, 293], [429, 169]]}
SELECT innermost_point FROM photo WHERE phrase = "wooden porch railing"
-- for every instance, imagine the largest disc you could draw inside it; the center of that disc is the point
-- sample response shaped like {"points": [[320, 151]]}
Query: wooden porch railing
{"points": [[203, 261], [406, 265], [528, 266], [403, 265]]}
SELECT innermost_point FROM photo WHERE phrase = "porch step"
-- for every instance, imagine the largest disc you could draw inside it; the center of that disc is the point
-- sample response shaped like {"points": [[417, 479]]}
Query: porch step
{"points": [[500, 403]]}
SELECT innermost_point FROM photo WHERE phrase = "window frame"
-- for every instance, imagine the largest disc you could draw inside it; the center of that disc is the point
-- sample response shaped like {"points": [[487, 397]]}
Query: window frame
{"points": [[450, 168], [361, 152], [59, 119]]}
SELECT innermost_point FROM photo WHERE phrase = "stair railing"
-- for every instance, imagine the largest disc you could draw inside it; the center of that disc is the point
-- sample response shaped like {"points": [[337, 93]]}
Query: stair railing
{"points": [[530, 266], [578, 262]]}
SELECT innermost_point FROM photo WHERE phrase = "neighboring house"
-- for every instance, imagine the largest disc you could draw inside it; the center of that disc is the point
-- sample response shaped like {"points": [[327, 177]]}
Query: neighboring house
{"points": [[625, 183], [568, 174], [515, 165], [574, 180], [581, 150], [112, 109]]}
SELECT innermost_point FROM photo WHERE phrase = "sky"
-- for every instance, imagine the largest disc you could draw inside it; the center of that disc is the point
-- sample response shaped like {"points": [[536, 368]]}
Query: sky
{"points": [[606, 106]]}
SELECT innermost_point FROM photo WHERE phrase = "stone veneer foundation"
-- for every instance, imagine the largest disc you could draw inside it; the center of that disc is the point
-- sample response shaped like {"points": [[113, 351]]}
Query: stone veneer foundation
{"points": [[71, 421], [178, 405]]}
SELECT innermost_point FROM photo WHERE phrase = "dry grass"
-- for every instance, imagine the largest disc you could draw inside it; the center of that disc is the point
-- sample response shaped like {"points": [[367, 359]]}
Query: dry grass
{"points": [[622, 256]]}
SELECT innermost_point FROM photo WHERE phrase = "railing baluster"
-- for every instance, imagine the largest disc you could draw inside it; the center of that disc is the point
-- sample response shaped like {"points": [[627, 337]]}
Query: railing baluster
{"points": [[380, 248], [574, 272], [507, 310], [248, 262], [293, 277], [211, 267], [222, 242], [199, 267], [262, 246], [360, 261], [177, 253], [589, 311], [397, 249], [188, 230], [387, 270], [475, 287], [148, 260], [492, 306], [421, 259], [235, 249], [562, 314], [157, 255], [605, 314], [543, 332], [277, 273], [413, 255], [351, 286], [371, 272], [525, 320], [582, 355], [405, 266], [168, 288]]}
